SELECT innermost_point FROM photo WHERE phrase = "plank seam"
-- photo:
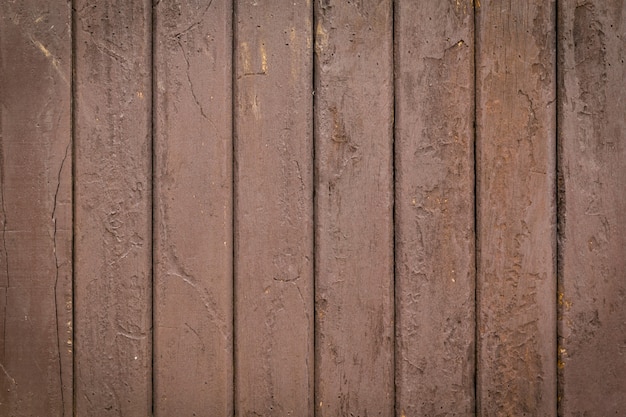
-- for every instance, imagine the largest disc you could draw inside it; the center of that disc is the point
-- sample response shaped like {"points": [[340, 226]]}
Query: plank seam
{"points": [[314, 211], [152, 196], [476, 203], [393, 204], [558, 191], [233, 230], [73, 192]]}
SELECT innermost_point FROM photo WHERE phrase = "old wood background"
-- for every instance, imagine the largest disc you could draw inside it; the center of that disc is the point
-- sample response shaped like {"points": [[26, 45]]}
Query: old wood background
{"points": [[299, 208]]}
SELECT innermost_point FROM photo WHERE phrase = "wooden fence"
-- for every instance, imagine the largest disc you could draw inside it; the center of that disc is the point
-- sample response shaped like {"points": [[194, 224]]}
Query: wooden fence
{"points": [[329, 208]]}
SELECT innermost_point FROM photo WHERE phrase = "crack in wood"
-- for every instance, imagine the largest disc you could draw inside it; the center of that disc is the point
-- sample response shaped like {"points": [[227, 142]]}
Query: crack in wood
{"points": [[56, 276]]}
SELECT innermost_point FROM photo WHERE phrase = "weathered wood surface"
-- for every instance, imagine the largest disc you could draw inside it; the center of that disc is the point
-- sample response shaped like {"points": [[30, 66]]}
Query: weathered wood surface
{"points": [[434, 208], [113, 240], [354, 208], [273, 208], [35, 209], [273, 299], [592, 208], [193, 369], [516, 279]]}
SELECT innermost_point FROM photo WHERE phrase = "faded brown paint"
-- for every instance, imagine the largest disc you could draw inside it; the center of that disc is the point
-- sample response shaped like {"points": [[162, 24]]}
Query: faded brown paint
{"points": [[193, 211], [35, 210], [354, 208], [113, 212], [516, 208], [273, 209], [434, 206], [592, 203], [354, 361]]}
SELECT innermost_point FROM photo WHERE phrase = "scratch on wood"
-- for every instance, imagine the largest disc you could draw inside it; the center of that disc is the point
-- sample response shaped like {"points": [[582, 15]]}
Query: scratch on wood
{"points": [[54, 60], [7, 375]]}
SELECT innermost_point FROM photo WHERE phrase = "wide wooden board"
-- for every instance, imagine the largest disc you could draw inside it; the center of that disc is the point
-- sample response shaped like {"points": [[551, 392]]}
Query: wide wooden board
{"points": [[434, 208], [113, 214], [273, 208], [592, 208], [35, 209], [354, 208], [516, 277], [193, 209]]}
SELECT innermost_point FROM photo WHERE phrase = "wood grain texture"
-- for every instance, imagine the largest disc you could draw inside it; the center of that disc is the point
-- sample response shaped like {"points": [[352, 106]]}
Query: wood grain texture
{"points": [[113, 240], [516, 208], [35, 209], [354, 208], [434, 208], [193, 209], [592, 208], [273, 209]]}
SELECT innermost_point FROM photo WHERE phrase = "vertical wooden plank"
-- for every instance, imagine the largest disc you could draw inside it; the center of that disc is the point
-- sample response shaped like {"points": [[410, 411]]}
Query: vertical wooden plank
{"points": [[592, 208], [354, 208], [434, 208], [193, 210], [516, 208], [35, 209], [113, 240], [273, 209]]}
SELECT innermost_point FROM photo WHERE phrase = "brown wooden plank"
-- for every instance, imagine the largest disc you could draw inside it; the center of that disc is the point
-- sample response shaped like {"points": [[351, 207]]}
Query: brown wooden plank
{"points": [[273, 209], [516, 278], [434, 208], [193, 209], [36, 209], [592, 208], [354, 208], [113, 240]]}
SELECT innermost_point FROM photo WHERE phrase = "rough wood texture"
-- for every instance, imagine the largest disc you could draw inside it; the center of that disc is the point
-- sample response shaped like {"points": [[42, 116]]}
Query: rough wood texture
{"points": [[35, 209], [113, 240], [354, 208], [193, 210], [516, 208], [592, 208], [434, 205], [273, 209]]}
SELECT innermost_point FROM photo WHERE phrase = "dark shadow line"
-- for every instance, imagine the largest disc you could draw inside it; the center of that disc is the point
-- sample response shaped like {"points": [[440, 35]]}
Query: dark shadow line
{"points": [[233, 89], [314, 211], [73, 26], [153, 196], [476, 213], [393, 205], [314, 22], [558, 195]]}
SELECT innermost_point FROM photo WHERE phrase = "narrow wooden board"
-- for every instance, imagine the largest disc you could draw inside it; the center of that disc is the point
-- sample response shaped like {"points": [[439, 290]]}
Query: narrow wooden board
{"points": [[113, 238], [434, 208], [516, 277], [273, 208], [354, 208], [35, 209], [592, 208], [193, 209]]}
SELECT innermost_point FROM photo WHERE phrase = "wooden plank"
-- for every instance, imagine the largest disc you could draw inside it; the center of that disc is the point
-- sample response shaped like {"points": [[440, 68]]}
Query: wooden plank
{"points": [[36, 209], [354, 208], [193, 209], [434, 208], [516, 279], [273, 208], [592, 208], [113, 238]]}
